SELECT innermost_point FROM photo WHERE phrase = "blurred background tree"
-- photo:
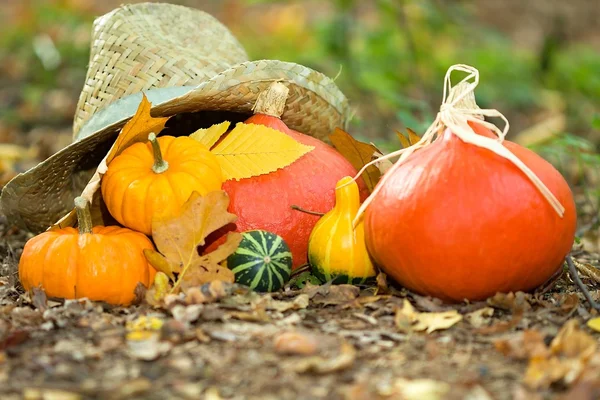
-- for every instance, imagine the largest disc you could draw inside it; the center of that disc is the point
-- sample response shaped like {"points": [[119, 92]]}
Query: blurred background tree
{"points": [[539, 62]]}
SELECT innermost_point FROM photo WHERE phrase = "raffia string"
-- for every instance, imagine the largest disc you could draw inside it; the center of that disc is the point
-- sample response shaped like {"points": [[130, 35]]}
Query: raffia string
{"points": [[457, 109]]}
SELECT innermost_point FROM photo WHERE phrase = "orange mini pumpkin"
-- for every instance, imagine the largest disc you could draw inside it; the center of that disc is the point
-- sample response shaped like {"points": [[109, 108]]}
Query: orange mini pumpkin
{"points": [[103, 263], [156, 178]]}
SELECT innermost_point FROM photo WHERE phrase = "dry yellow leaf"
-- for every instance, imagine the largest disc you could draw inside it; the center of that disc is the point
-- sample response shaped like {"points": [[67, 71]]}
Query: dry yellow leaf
{"points": [[407, 142], [358, 153], [428, 322], [403, 140], [210, 136], [251, 150], [137, 129], [594, 324], [412, 136]]}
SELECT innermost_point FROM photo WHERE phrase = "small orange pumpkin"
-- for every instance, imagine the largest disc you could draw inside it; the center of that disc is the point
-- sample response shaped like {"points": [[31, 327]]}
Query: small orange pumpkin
{"points": [[103, 263], [156, 178]]}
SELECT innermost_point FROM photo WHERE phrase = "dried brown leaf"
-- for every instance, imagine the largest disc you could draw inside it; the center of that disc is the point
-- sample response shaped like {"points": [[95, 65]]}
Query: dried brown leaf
{"points": [[407, 318], [321, 365], [332, 294], [358, 153], [481, 317], [382, 285], [296, 343], [524, 345], [39, 299], [207, 269], [177, 236]]}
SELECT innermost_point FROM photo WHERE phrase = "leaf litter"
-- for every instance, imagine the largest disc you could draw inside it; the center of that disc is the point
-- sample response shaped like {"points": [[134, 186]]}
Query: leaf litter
{"points": [[329, 341]]}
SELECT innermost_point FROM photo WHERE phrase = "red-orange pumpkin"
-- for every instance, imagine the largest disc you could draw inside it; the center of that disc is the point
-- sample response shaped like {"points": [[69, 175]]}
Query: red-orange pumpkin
{"points": [[457, 221], [264, 201]]}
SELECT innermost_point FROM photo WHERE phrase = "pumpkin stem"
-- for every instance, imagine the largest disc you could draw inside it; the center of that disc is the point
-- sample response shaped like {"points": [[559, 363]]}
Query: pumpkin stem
{"points": [[84, 216], [272, 101], [160, 165]]}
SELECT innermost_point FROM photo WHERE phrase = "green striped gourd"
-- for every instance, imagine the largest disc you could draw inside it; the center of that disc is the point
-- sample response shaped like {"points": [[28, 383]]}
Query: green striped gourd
{"points": [[336, 251], [262, 261]]}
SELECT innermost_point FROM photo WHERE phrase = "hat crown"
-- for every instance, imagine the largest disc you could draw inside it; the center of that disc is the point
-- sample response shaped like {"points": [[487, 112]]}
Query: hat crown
{"points": [[152, 45]]}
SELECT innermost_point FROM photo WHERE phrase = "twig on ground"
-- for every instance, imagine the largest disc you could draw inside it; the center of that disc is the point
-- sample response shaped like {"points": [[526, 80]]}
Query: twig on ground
{"points": [[575, 276]]}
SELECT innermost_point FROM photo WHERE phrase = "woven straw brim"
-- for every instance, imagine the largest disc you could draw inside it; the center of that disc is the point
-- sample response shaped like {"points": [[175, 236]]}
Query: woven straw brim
{"points": [[39, 197]]}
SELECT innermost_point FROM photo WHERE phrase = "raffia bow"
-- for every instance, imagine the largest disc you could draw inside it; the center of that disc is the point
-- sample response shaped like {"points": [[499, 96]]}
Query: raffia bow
{"points": [[457, 109]]}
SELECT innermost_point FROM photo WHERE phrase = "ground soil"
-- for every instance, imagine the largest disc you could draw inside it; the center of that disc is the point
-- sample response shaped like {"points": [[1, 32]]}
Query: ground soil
{"points": [[345, 346]]}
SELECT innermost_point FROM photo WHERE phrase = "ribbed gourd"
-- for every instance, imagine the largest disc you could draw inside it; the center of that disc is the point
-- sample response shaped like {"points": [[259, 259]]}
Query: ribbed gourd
{"points": [[153, 179], [337, 251]]}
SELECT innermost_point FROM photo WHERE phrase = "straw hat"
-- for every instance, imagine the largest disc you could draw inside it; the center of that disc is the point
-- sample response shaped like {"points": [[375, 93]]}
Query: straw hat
{"points": [[185, 61]]}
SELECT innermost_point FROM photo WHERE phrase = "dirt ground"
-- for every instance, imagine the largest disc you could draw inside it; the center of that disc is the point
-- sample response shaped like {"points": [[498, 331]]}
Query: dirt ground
{"points": [[317, 342]]}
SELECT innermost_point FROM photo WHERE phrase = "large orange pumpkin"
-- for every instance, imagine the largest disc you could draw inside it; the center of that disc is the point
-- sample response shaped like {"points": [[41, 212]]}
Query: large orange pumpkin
{"points": [[103, 263], [264, 201], [457, 221], [156, 178]]}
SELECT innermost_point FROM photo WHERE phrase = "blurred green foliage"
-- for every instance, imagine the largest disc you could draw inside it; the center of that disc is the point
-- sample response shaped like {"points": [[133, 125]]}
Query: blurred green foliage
{"points": [[388, 56]]}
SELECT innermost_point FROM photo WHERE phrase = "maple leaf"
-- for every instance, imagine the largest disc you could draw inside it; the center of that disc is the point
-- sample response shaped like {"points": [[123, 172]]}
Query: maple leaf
{"points": [[178, 236], [135, 130], [252, 150], [358, 153]]}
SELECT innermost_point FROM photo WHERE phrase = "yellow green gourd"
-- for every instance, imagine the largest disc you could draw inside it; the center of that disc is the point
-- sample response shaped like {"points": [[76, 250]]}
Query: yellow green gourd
{"points": [[337, 251]]}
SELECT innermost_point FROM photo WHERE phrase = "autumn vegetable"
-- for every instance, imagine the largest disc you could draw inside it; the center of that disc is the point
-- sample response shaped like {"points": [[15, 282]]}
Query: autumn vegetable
{"points": [[103, 263], [262, 261], [149, 180], [337, 251], [264, 201], [466, 214]]}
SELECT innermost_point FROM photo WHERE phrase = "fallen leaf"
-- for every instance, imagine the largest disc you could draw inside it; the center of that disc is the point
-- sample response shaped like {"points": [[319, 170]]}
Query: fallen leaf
{"points": [[143, 338], [358, 154], [571, 341], [524, 345], [160, 288], [594, 324], [177, 238], [321, 365], [382, 285], [39, 299], [207, 269], [162, 264], [296, 343], [420, 389], [565, 360], [481, 317], [209, 292], [332, 294], [589, 270], [251, 150], [407, 316], [300, 302], [209, 136], [135, 130]]}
